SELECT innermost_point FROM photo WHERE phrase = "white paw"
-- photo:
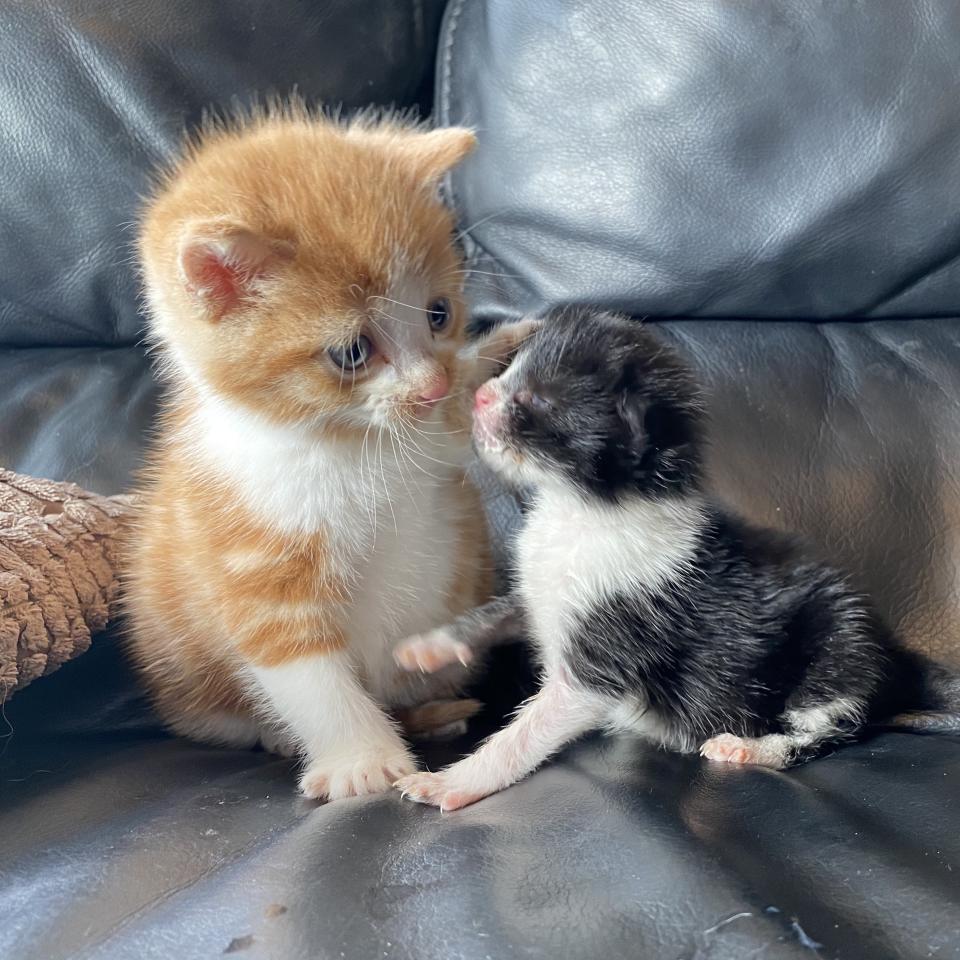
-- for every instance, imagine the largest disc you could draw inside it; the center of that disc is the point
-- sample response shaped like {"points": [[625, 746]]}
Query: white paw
{"points": [[356, 775], [440, 790], [773, 750], [430, 652]]}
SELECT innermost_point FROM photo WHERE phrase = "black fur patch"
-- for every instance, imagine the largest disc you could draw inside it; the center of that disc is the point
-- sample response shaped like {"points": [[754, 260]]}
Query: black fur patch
{"points": [[753, 628], [751, 631], [606, 403]]}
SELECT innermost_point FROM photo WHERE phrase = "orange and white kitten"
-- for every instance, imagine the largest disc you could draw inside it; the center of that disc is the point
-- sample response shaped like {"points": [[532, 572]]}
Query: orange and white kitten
{"points": [[306, 505]]}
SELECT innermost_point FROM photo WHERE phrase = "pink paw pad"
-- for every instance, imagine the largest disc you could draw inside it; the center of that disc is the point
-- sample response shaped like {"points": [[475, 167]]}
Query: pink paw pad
{"points": [[729, 749]]}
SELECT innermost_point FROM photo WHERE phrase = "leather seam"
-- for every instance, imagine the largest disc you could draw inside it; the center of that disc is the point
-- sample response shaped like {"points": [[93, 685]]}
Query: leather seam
{"points": [[446, 72]]}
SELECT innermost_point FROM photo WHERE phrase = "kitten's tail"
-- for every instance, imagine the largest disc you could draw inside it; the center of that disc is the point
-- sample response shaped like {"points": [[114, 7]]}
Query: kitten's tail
{"points": [[928, 696]]}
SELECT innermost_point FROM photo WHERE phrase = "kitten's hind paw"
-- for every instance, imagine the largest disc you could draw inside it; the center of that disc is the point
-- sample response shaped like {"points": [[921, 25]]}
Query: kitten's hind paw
{"points": [[728, 749], [438, 719], [770, 751], [430, 652]]}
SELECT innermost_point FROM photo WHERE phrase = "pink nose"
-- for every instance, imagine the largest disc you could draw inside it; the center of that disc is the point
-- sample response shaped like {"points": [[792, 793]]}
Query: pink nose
{"points": [[484, 397], [435, 388]]}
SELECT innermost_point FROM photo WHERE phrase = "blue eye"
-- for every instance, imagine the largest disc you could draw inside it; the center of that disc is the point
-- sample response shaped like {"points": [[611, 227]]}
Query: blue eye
{"points": [[353, 355], [438, 313]]}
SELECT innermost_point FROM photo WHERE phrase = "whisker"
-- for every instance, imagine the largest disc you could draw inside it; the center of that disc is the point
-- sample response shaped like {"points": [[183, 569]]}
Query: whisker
{"points": [[473, 226], [384, 332], [386, 489], [403, 479], [372, 508], [406, 436], [399, 303], [419, 449]]}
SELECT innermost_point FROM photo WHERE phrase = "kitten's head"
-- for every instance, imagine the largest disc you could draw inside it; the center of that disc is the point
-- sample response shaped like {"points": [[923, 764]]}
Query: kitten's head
{"points": [[595, 402], [305, 269]]}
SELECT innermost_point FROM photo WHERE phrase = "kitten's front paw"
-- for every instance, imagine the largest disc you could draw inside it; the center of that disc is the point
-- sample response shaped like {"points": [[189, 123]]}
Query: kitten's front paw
{"points": [[432, 651], [355, 776], [439, 790]]}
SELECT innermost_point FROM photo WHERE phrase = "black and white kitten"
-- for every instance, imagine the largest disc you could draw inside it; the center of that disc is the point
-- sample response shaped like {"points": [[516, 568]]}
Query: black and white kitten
{"points": [[651, 609]]}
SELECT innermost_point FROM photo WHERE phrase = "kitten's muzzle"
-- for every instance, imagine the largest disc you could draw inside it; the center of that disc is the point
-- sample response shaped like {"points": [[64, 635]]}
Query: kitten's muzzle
{"points": [[433, 387], [486, 396]]}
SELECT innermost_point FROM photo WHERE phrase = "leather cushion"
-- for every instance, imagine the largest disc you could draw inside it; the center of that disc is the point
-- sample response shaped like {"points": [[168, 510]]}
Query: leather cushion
{"points": [[711, 158], [120, 842]]}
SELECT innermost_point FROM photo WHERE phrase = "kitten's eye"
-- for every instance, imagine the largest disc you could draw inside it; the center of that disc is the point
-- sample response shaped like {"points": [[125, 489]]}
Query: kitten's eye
{"points": [[438, 313], [353, 355], [526, 398]]}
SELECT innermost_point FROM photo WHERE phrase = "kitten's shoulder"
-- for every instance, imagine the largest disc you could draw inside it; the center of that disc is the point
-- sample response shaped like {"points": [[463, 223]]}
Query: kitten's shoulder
{"points": [[756, 543]]}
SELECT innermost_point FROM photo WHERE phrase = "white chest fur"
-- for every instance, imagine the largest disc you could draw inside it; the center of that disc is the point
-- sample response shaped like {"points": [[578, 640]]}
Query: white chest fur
{"points": [[391, 527], [572, 553]]}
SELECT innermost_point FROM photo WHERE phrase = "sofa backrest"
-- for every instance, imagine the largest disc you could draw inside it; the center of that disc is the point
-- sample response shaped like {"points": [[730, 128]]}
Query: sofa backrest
{"points": [[94, 94], [711, 158]]}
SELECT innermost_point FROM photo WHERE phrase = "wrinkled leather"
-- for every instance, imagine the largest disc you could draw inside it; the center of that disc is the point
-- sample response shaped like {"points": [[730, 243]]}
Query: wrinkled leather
{"points": [[94, 94], [712, 158], [718, 160], [77, 413], [120, 842]]}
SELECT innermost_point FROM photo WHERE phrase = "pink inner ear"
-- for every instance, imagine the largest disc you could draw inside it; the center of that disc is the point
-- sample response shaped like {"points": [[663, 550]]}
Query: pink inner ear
{"points": [[225, 271]]}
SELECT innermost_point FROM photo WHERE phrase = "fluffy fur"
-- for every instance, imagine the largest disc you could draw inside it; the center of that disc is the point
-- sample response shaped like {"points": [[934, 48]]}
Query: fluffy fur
{"points": [[307, 502], [651, 609]]}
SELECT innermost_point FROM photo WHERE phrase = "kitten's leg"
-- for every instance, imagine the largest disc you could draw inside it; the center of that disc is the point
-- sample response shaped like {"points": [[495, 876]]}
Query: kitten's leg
{"points": [[352, 747], [806, 730], [276, 738], [499, 345], [496, 622], [221, 727], [493, 351], [554, 716]]}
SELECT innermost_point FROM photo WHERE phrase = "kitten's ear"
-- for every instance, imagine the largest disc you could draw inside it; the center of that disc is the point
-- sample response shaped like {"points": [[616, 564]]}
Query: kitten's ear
{"points": [[656, 427], [225, 264], [434, 153], [633, 412]]}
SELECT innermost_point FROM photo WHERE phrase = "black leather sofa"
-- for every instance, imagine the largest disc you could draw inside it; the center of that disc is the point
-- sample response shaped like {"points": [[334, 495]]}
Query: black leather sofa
{"points": [[778, 186]]}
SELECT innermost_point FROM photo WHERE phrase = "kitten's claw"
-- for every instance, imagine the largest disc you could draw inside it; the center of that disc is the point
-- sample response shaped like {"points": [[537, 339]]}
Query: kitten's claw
{"points": [[354, 777], [437, 790], [430, 652]]}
